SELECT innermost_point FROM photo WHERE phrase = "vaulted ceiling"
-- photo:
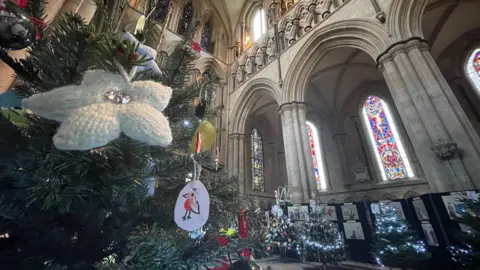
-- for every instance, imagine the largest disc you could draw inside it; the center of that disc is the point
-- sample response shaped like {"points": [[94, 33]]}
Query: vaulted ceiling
{"points": [[229, 11]]}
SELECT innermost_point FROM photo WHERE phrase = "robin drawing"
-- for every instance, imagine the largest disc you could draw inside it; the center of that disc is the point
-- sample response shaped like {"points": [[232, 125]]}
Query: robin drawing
{"points": [[191, 204]]}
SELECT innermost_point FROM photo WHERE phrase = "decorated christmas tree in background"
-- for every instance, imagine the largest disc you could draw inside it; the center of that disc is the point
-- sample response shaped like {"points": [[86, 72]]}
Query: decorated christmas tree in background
{"points": [[320, 239], [91, 175], [466, 253], [395, 244], [281, 234]]}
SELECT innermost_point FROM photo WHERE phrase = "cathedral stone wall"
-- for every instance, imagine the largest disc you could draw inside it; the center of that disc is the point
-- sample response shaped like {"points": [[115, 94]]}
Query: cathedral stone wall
{"points": [[387, 49]]}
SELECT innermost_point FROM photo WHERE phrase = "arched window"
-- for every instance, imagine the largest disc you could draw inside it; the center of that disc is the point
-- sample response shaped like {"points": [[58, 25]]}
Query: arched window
{"points": [[391, 157], [162, 8], [208, 95], [313, 137], [259, 25], [258, 182], [473, 69], [206, 42], [186, 20]]}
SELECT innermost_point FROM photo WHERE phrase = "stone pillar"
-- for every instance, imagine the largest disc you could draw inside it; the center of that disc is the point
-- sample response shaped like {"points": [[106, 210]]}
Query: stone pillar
{"points": [[443, 138], [242, 36], [87, 10], [339, 138], [298, 157], [236, 159], [71, 6], [52, 9]]}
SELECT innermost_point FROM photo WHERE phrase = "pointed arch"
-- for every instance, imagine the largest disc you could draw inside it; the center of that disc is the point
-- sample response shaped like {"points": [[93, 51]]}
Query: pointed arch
{"points": [[186, 20], [256, 144], [314, 139], [386, 144], [472, 68]]}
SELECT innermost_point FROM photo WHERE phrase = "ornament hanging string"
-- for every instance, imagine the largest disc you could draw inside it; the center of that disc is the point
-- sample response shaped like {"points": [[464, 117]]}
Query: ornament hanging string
{"points": [[197, 171], [165, 25]]}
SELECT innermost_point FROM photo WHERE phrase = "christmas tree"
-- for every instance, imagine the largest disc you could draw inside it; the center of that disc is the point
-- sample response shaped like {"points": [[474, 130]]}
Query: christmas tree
{"points": [[320, 239], [394, 243], [80, 209], [281, 234], [466, 252]]}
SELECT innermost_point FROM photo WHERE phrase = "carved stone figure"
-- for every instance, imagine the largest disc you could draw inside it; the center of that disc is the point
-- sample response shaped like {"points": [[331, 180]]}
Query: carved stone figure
{"points": [[291, 32], [312, 9], [259, 58], [249, 67], [305, 19], [271, 49], [239, 75]]}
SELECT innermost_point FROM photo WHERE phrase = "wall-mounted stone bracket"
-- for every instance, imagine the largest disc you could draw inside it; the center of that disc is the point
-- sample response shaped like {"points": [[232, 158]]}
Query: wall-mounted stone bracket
{"points": [[447, 151]]}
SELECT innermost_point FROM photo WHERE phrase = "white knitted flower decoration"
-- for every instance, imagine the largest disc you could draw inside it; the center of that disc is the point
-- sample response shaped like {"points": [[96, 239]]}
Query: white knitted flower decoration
{"points": [[104, 105]]}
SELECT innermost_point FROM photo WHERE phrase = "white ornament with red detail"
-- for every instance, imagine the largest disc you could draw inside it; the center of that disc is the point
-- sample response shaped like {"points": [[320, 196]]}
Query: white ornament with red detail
{"points": [[193, 203]]}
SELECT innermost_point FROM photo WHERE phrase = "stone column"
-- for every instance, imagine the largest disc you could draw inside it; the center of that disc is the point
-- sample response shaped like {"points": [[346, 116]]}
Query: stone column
{"points": [[71, 6], [443, 138], [298, 157], [87, 10], [52, 9], [242, 36], [339, 138], [236, 159]]}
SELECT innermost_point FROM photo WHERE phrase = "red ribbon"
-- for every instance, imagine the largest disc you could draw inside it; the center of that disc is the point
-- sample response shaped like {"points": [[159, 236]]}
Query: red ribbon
{"points": [[196, 47], [22, 3], [38, 22], [198, 146], [243, 225]]}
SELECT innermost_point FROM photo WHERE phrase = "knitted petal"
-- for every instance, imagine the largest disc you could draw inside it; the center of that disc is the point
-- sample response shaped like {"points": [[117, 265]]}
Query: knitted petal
{"points": [[88, 127], [56, 104], [152, 93], [102, 77], [142, 122]]}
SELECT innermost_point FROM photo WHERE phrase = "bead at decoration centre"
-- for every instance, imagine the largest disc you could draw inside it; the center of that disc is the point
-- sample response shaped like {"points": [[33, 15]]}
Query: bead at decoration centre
{"points": [[117, 97]]}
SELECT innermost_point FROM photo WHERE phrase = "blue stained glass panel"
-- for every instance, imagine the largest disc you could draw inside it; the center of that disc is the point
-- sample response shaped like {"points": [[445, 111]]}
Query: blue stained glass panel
{"points": [[258, 181], [206, 41], [186, 20]]}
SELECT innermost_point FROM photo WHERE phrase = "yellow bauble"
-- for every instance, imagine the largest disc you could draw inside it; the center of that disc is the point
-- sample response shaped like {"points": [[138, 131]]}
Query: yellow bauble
{"points": [[208, 136]]}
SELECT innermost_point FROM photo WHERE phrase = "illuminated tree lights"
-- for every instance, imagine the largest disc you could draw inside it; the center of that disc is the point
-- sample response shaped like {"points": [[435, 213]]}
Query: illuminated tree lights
{"points": [[281, 236], [395, 244], [320, 239], [466, 252]]}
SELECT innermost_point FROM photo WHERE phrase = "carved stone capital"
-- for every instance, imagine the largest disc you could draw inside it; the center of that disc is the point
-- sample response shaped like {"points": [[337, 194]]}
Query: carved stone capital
{"points": [[447, 150]]}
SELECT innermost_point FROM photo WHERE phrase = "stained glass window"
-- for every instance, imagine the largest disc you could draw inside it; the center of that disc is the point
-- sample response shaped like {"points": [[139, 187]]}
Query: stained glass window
{"points": [[208, 94], [389, 152], [316, 156], [473, 69], [206, 41], [257, 161], [162, 8], [259, 24], [186, 20]]}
